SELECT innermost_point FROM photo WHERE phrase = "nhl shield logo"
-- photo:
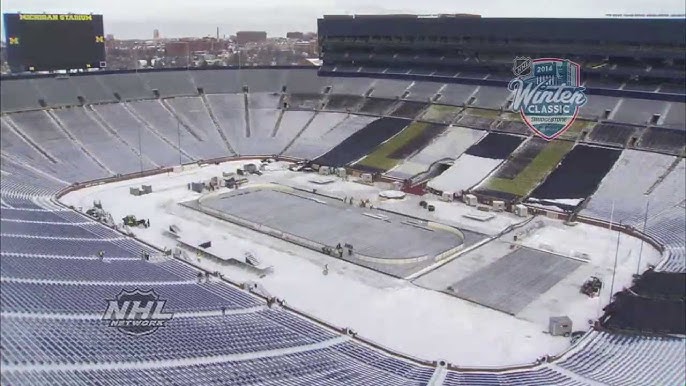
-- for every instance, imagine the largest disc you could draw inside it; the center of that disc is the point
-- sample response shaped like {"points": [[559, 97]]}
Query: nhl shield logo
{"points": [[521, 66], [136, 312], [547, 92]]}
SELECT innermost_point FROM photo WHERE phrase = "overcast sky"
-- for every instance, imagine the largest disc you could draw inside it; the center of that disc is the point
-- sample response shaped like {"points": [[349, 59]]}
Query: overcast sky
{"points": [[137, 18]]}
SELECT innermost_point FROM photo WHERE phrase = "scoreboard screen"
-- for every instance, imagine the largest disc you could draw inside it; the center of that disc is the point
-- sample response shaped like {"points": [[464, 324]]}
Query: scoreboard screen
{"points": [[47, 42]]}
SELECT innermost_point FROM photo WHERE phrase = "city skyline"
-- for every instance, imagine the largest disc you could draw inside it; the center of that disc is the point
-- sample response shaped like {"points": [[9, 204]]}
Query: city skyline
{"points": [[127, 19]]}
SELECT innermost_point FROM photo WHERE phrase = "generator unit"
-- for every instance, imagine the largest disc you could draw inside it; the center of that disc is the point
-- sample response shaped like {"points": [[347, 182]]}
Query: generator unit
{"points": [[521, 210], [560, 326], [470, 200], [197, 187], [447, 196], [498, 206], [341, 172], [250, 168]]}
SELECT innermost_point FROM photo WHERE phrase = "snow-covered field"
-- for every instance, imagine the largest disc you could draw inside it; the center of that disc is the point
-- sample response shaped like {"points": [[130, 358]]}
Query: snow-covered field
{"points": [[598, 247], [392, 312]]}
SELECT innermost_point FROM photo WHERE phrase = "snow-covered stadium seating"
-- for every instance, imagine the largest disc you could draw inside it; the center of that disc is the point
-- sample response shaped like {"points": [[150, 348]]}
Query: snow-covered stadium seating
{"points": [[643, 169], [92, 89], [74, 164], [136, 135], [54, 286], [18, 96], [616, 359], [193, 113], [157, 118], [169, 83], [57, 91], [128, 86], [449, 145], [351, 86], [388, 88], [116, 155], [456, 94], [326, 131], [423, 91], [229, 110], [476, 163], [490, 97]]}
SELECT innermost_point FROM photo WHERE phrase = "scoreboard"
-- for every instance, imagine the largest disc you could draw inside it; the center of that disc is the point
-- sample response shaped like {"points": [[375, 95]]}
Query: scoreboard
{"points": [[48, 42]]}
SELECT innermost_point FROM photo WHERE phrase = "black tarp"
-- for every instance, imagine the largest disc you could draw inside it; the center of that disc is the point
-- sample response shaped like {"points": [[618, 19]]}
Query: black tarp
{"points": [[637, 313], [578, 175], [362, 142]]}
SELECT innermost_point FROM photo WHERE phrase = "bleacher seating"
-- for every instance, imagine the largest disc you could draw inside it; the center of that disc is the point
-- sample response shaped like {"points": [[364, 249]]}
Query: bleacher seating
{"points": [[324, 132], [18, 96], [612, 134], [54, 285], [217, 81], [185, 337], [490, 97], [643, 170], [376, 106], [229, 110], [128, 86], [388, 88], [423, 91], [664, 140], [449, 145], [599, 107], [631, 360], [137, 135], [57, 91], [75, 165], [637, 111], [169, 84], [117, 156], [193, 113], [38, 297], [92, 89]]}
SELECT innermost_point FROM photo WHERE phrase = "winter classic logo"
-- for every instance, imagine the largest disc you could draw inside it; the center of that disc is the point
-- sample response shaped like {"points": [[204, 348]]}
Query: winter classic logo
{"points": [[548, 93], [137, 312]]}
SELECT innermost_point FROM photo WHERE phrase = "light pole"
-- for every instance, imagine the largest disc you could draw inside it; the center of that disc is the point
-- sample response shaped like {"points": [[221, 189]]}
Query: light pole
{"points": [[640, 251], [188, 55], [178, 131], [140, 148], [614, 268]]}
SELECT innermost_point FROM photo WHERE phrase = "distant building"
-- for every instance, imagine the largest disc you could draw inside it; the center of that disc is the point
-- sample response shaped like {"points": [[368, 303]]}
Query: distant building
{"points": [[295, 35], [186, 47], [109, 42], [155, 34], [244, 37]]}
